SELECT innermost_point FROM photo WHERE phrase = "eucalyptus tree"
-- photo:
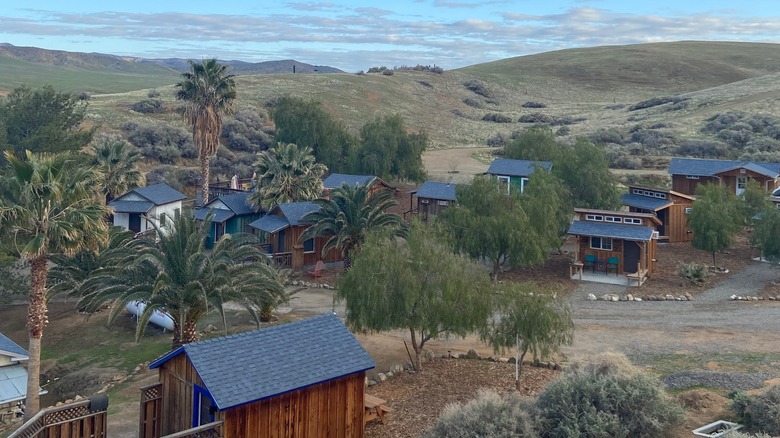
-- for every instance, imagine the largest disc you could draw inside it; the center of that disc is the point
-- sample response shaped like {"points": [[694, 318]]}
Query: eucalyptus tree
{"points": [[286, 173], [48, 205]]}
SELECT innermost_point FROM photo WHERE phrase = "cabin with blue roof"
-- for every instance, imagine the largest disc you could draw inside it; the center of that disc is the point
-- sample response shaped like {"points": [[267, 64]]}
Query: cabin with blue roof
{"points": [[280, 231], [13, 378], [688, 173], [670, 207], [615, 241], [231, 214], [300, 379], [515, 173], [138, 208], [336, 180], [432, 198]]}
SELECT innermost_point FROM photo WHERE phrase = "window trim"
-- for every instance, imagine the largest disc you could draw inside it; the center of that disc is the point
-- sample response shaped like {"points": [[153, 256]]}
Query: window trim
{"points": [[594, 217], [503, 179], [632, 221], [614, 219], [602, 241], [313, 246]]}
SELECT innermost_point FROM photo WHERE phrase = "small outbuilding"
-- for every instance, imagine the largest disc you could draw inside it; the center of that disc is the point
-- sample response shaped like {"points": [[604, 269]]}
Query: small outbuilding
{"points": [[231, 214], [432, 198], [515, 173], [670, 207], [336, 180], [138, 208], [300, 379], [688, 173]]}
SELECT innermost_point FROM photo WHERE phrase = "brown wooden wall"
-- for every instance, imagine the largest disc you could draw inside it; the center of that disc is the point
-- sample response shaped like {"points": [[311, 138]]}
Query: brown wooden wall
{"points": [[299, 258], [177, 376], [680, 183], [617, 251], [431, 209], [329, 409], [675, 225]]}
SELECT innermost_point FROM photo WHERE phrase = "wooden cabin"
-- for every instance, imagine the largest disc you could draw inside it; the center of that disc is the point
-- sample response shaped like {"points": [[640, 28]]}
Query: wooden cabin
{"points": [[137, 209], [688, 173], [336, 180], [432, 199], [515, 173], [627, 236], [670, 207], [299, 379], [13, 378], [281, 229], [231, 214]]}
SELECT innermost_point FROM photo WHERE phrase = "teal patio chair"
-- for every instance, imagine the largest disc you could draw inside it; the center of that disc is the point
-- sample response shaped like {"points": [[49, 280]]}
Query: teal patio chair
{"points": [[590, 262], [612, 263]]}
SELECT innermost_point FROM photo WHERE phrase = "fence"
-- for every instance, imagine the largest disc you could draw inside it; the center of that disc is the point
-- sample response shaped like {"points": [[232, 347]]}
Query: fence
{"points": [[82, 419]]}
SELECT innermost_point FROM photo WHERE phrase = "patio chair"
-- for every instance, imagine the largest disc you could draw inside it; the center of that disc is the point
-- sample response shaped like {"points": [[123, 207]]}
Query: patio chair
{"points": [[590, 262], [612, 263], [317, 271]]}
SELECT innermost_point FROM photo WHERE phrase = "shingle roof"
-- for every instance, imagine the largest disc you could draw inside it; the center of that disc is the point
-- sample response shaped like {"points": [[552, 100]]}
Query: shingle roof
{"points": [[702, 167], [238, 202], [254, 365], [437, 190], [160, 193], [296, 211], [9, 346], [270, 223], [506, 166], [336, 180], [219, 214], [615, 231], [644, 202], [13, 383], [130, 206]]}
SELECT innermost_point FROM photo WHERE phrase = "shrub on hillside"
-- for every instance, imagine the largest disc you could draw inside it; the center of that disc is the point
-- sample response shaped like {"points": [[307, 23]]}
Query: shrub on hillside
{"points": [[694, 273], [148, 106], [459, 113], [425, 84], [477, 87], [497, 118], [566, 120], [487, 416], [474, 103], [388, 72], [563, 130], [702, 149], [759, 412], [535, 118], [607, 397], [176, 177], [656, 101], [84, 95], [606, 136], [245, 132], [497, 140], [160, 141], [531, 104]]}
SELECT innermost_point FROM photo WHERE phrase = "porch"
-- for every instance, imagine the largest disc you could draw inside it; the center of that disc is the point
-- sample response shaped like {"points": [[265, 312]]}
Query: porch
{"points": [[599, 277]]}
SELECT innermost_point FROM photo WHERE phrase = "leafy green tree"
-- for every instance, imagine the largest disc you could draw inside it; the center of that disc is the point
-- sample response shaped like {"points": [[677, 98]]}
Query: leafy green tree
{"points": [[487, 223], [287, 173], [536, 143], [208, 92], [176, 274], [387, 150], [350, 213], [43, 120], [715, 219], [585, 171], [532, 320], [306, 124], [48, 205], [754, 200], [116, 160], [766, 233], [417, 284], [547, 202]]}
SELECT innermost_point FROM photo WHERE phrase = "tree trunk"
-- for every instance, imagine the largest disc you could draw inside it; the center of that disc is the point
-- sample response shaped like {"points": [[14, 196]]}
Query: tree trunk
{"points": [[496, 269], [190, 332], [267, 313], [519, 366], [205, 171], [36, 321], [713, 261], [176, 342], [347, 261], [417, 352]]}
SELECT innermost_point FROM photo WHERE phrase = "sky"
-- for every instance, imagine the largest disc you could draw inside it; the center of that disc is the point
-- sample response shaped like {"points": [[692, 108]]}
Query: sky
{"points": [[357, 35]]}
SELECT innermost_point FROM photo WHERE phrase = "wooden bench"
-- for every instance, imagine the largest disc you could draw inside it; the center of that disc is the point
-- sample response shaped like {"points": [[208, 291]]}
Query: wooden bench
{"points": [[374, 408], [638, 276]]}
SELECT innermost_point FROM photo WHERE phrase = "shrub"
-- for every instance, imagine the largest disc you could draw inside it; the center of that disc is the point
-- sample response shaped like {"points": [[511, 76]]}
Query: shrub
{"points": [[161, 141], [474, 103], [245, 132], [497, 140], [531, 104], [623, 161], [387, 72], [563, 130], [487, 416], [656, 101], [497, 118], [759, 412], [459, 113], [425, 84], [148, 106], [477, 87], [153, 94], [566, 120], [536, 118], [702, 149], [606, 398], [83, 95], [695, 273], [605, 136]]}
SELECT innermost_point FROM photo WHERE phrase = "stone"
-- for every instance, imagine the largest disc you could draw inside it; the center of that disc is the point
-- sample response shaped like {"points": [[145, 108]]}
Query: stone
{"points": [[137, 368], [389, 374], [637, 299], [623, 298], [294, 283], [77, 398], [592, 297], [503, 359], [511, 360], [398, 368], [771, 298], [472, 354], [682, 298], [629, 297], [689, 296], [381, 377], [371, 382], [733, 297], [614, 298], [429, 355], [753, 298], [669, 297], [211, 328]]}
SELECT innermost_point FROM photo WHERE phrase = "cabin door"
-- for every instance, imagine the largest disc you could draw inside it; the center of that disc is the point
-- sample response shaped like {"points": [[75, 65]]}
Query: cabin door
{"points": [[203, 407], [631, 253], [134, 222], [741, 184]]}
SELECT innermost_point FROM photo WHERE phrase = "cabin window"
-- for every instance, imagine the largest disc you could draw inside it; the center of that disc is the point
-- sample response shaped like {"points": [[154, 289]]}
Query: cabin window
{"points": [[523, 184], [308, 246], [443, 203], [632, 220], [637, 192], [504, 183], [613, 219], [602, 243], [163, 220], [660, 195], [692, 176], [424, 201], [688, 210], [594, 217]]}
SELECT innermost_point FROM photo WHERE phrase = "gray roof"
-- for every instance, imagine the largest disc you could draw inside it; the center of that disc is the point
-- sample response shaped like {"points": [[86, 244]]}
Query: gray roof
{"points": [[270, 223], [220, 215], [296, 211], [11, 347], [130, 206], [615, 231], [160, 193], [702, 167], [509, 167], [13, 383], [437, 190], [238, 203], [336, 180], [255, 365], [644, 202]]}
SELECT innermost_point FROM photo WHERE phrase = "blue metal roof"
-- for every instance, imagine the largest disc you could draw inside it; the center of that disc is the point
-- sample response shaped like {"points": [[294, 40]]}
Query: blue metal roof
{"points": [[238, 202], [615, 231], [11, 347], [644, 202], [258, 364], [296, 211], [509, 167], [160, 193], [702, 167], [336, 180], [219, 214], [130, 206], [437, 190], [13, 383], [270, 223]]}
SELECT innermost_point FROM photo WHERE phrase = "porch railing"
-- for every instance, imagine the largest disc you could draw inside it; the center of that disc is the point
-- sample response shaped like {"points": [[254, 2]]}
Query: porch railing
{"points": [[150, 418], [283, 259], [86, 418], [211, 430]]}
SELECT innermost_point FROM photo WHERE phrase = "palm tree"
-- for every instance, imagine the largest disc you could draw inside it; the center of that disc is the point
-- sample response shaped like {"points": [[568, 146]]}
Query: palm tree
{"points": [[287, 173], [177, 275], [48, 205], [209, 93], [349, 215], [116, 160]]}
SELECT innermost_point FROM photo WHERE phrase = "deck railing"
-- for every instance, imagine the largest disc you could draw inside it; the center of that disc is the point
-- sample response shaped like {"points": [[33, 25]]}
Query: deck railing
{"points": [[151, 411], [211, 430], [283, 259], [86, 418]]}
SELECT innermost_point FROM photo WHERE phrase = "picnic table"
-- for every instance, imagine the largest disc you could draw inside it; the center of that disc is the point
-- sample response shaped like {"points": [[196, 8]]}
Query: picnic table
{"points": [[374, 408]]}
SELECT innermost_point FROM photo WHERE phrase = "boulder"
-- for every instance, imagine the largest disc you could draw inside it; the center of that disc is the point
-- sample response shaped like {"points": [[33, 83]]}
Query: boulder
{"points": [[629, 297], [472, 354], [592, 297]]}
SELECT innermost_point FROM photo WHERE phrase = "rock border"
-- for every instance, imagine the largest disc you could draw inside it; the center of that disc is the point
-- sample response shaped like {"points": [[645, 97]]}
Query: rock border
{"points": [[754, 298], [629, 297], [311, 285]]}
